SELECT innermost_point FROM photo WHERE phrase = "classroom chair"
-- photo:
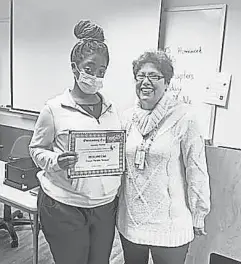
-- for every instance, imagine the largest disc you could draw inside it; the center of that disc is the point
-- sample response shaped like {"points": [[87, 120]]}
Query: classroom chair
{"points": [[19, 149]]}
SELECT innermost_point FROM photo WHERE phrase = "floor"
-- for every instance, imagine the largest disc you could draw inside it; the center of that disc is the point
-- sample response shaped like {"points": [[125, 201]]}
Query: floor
{"points": [[23, 254]]}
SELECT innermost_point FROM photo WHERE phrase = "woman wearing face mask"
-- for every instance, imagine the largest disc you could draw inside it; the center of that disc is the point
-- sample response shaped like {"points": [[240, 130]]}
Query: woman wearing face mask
{"points": [[77, 215], [165, 195]]}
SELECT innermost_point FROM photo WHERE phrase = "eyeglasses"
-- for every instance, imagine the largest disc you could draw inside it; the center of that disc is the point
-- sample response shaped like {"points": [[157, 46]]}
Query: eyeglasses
{"points": [[152, 78]]}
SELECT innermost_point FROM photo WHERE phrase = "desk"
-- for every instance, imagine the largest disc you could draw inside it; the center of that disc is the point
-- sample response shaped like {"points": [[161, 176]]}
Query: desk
{"points": [[25, 202]]}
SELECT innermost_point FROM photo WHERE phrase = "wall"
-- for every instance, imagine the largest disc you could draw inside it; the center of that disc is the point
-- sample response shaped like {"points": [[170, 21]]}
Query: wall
{"points": [[130, 26], [227, 129], [4, 53]]}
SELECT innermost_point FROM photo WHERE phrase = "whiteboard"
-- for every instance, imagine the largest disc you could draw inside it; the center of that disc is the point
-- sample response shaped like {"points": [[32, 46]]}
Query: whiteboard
{"points": [[4, 62], [193, 38]]}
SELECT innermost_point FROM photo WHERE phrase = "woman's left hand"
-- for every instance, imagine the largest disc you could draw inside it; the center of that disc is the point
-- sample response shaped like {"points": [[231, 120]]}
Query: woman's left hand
{"points": [[199, 231]]}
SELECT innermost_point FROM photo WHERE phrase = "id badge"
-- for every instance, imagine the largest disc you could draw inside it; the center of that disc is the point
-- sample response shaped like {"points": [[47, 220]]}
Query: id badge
{"points": [[140, 158]]}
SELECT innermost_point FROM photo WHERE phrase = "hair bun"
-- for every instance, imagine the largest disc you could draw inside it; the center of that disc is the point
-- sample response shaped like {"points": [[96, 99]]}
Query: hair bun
{"points": [[87, 29]]}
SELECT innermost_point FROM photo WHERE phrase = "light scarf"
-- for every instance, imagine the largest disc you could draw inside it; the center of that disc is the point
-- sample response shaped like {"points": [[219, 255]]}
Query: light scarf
{"points": [[147, 120]]}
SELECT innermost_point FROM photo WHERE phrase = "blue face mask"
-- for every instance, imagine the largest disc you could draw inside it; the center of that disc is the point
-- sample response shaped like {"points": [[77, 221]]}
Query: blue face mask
{"points": [[87, 83]]}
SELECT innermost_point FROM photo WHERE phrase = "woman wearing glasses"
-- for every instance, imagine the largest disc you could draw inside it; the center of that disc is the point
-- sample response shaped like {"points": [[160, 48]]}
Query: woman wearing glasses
{"points": [[165, 194], [77, 215]]}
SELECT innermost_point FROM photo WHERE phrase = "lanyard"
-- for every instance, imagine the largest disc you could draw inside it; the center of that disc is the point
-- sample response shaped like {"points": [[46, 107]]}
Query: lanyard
{"points": [[150, 136], [143, 149]]}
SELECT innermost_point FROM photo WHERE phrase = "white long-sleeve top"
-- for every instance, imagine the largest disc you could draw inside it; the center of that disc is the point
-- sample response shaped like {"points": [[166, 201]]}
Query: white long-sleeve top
{"points": [[51, 137], [161, 204]]}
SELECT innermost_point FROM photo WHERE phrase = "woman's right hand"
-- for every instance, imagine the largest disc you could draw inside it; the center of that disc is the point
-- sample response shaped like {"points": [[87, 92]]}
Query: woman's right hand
{"points": [[67, 160]]}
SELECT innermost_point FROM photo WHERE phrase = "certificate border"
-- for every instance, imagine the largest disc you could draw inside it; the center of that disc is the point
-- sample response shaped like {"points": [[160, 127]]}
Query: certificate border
{"points": [[73, 134]]}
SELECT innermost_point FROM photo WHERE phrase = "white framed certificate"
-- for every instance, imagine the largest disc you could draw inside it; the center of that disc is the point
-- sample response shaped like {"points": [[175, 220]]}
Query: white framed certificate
{"points": [[100, 153]]}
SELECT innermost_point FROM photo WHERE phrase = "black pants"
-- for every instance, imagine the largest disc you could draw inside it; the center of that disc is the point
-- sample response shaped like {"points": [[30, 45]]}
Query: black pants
{"points": [[77, 235], [139, 254]]}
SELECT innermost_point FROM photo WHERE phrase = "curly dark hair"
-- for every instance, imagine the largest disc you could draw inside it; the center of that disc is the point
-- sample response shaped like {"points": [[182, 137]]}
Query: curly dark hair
{"points": [[91, 41], [161, 61]]}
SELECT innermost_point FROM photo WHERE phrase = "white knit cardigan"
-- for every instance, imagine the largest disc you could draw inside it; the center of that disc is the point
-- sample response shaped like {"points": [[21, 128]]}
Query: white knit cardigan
{"points": [[161, 204]]}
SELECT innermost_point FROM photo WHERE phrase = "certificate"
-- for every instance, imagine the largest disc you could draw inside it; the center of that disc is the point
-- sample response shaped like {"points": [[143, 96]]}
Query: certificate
{"points": [[100, 153]]}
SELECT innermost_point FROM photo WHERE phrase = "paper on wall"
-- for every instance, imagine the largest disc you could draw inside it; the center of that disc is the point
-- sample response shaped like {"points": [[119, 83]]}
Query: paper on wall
{"points": [[216, 91]]}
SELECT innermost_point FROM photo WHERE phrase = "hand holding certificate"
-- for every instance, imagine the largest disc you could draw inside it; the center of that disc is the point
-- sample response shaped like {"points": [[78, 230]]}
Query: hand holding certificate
{"points": [[100, 153], [67, 159]]}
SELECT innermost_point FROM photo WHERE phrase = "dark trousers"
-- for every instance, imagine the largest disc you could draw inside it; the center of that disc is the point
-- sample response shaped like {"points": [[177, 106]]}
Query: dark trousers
{"points": [[77, 235], [139, 254]]}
